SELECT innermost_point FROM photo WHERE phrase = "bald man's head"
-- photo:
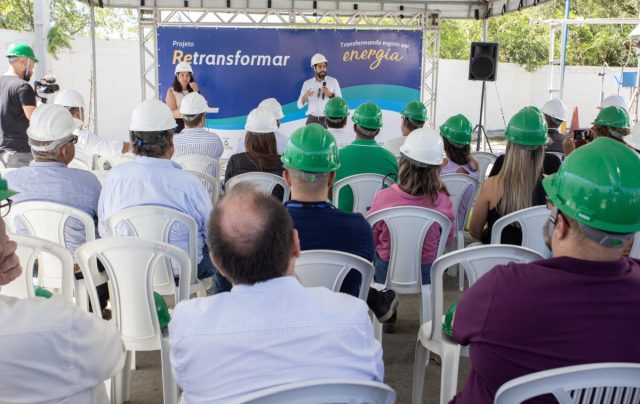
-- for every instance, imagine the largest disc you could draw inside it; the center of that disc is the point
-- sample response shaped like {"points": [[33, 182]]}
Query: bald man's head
{"points": [[250, 235]]}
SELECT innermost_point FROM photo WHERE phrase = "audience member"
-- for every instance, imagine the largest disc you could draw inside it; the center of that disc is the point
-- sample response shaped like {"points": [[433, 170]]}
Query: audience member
{"points": [[518, 184], [576, 308], [364, 155], [50, 350], [194, 138], [153, 179], [269, 330], [418, 185], [414, 115], [276, 109], [183, 84], [335, 113], [555, 113], [88, 142]]}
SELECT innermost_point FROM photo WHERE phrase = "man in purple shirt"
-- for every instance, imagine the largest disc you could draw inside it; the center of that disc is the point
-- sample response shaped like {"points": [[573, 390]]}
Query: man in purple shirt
{"points": [[583, 305]]}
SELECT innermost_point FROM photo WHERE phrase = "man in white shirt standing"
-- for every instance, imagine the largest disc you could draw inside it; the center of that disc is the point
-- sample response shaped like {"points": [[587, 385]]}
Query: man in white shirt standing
{"points": [[268, 330], [318, 90], [50, 350], [89, 142]]}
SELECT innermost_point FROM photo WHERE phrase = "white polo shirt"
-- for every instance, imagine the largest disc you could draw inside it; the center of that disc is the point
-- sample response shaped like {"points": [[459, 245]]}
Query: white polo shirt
{"points": [[316, 102]]}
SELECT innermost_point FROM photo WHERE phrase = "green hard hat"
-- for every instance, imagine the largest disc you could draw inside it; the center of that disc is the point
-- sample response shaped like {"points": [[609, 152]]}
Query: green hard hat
{"points": [[313, 149], [415, 110], [527, 127], [5, 192], [21, 49], [613, 116], [598, 185], [336, 108], [162, 310], [368, 116], [457, 129], [449, 318]]}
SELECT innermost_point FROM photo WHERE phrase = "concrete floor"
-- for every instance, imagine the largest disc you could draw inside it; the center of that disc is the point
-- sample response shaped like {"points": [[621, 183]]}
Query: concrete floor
{"points": [[146, 384]]}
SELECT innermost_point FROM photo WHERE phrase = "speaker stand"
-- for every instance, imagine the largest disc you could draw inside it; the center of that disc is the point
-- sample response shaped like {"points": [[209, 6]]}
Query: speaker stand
{"points": [[480, 127]]}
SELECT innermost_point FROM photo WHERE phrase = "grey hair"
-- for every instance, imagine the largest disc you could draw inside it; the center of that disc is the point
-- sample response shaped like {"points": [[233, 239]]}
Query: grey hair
{"points": [[192, 120]]}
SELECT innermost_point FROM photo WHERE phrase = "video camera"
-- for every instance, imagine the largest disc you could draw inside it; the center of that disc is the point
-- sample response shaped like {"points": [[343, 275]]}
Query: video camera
{"points": [[46, 86]]}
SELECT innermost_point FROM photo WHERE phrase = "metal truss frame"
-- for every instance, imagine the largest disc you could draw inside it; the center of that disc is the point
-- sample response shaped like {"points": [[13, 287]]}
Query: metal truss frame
{"points": [[427, 22]]}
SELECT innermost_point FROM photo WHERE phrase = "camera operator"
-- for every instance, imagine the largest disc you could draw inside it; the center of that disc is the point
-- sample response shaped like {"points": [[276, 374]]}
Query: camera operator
{"points": [[17, 102]]}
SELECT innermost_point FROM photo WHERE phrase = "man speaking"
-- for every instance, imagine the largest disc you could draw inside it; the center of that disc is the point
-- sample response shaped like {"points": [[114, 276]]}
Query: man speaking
{"points": [[318, 90]]}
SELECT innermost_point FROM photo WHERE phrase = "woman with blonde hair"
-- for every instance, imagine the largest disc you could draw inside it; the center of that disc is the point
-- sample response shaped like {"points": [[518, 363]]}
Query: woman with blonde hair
{"points": [[518, 184]]}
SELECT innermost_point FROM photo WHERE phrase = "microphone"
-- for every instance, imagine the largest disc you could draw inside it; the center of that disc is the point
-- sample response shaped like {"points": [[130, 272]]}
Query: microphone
{"points": [[324, 84]]}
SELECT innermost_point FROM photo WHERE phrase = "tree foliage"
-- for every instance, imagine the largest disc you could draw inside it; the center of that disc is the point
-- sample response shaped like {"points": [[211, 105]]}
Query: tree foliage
{"points": [[68, 19], [525, 41]]}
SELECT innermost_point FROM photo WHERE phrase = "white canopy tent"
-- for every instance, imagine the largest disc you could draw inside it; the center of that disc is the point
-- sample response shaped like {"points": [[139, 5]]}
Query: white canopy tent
{"points": [[422, 15]]}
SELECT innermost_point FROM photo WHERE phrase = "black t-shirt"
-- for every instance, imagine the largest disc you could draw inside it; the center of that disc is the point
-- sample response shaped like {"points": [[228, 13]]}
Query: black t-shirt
{"points": [[14, 93], [550, 165]]}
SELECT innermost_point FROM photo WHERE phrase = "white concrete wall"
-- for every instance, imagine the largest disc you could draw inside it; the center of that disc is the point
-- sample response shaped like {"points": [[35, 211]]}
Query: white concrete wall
{"points": [[119, 86]]}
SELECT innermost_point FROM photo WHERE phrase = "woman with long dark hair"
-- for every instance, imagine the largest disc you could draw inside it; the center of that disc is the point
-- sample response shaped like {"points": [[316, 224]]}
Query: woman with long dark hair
{"points": [[183, 84]]}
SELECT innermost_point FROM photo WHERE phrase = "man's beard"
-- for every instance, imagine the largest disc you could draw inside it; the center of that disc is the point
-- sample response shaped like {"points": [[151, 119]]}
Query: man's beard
{"points": [[321, 75]]}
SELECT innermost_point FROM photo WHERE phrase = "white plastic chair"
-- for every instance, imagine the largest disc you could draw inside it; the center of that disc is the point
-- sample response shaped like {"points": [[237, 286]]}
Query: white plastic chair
{"points": [[31, 249], [328, 268], [154, 223], [323, 391], [199, 163], [123, 158], [635, 250], [364, 188], [47, 220], [476, 261], [101, 175], [264, 181], [408, 226], [131, 264], [610, 383], [484, 159], [82, 160], [531, 222], [211, 183]]}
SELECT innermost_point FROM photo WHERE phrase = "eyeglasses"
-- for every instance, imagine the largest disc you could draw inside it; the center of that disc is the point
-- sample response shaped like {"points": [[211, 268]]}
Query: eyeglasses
{"points": [[553, 217], [5, 207], [73, 140]]}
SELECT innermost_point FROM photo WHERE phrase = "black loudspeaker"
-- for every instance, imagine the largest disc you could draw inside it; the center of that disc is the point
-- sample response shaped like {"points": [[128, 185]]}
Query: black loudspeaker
{"points": [[483, 61]]}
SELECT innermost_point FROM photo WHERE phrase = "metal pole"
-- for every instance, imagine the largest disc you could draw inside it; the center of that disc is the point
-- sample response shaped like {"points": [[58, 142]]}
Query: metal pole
{"points": [[480, 120], [41, 22], [563, 56], [552, 56], [94, 84], [483, 102]]}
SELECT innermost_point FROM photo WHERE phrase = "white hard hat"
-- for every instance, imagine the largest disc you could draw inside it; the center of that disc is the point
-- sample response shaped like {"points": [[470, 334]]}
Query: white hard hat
{"points": [[152, 116], [51, 122], [272, 105], [261, 120], [615, 100], [318, 58], [555, 108], [423, 146], [194, 104], [69, 99], [633, 139], [183, 67]]}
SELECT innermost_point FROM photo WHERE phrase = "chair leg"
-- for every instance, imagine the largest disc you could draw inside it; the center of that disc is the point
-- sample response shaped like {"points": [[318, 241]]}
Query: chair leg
{"points": [[82, 297], [377, 328], [419, 367], [169, 385], [121, 382], [449, 379]]}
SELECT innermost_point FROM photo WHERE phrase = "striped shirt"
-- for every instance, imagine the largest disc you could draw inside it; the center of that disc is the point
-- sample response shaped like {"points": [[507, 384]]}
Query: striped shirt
{"points": [[197, 141]]}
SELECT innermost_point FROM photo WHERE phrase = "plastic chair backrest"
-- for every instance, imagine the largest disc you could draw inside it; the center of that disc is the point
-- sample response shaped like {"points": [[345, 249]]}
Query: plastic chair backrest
{"points": [[130, 264], [408, 226], [101, 175], [264, 181], [364, 188], [323, 391], [610, 383], [199, 163], [476, 261], [211, 183], [484, 159], [531, 222], [46, 220], [82, 160], [31, 249], [154, 223], [457, 184], [122, 158], [328, 268], [635, 250]]}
